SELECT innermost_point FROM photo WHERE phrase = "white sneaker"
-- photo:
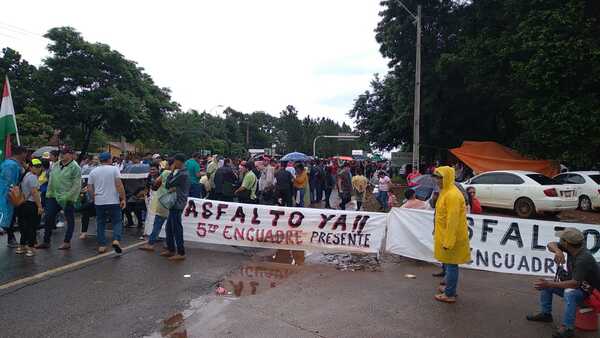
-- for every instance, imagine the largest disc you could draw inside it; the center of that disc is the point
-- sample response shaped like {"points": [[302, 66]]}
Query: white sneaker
{"points": [[60, 224]]}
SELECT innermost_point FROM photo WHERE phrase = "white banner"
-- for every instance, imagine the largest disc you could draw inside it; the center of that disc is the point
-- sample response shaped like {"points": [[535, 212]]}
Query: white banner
{"points": [[500, 244], [277, 227]]}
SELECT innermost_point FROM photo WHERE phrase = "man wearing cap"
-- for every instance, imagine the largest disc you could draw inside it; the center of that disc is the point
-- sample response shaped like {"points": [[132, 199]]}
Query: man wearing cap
{"points": [[108, 195], [64, 187], [583, 272]]}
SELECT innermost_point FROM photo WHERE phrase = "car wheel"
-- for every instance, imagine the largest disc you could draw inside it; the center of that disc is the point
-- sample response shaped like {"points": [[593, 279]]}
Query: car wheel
{"points": [[585, 204], [525, 208]]}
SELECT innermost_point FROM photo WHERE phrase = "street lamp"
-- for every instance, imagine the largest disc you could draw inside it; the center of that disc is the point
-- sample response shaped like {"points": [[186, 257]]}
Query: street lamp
{"points": [[417, 114], [340, 137]]}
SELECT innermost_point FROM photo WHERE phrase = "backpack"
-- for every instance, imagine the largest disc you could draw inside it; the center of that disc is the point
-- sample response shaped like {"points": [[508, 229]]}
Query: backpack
{"points": [[15, 196]]}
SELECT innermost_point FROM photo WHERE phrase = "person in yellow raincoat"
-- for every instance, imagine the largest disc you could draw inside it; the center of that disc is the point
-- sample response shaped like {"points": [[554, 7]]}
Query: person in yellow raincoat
{"points": [[451, 235]]}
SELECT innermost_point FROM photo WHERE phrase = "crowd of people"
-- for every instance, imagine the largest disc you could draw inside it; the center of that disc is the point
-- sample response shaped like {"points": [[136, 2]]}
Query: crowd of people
{"points": [[45, 192]]}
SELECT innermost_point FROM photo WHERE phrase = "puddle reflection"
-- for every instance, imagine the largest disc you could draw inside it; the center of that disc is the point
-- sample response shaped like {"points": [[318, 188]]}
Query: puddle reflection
{"points": [[250, 279], [174, 327], [257, 277]]}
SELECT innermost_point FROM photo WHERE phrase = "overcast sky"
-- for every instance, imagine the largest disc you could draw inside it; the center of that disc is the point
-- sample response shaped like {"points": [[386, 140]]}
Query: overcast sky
{"points": [[251, 55]]}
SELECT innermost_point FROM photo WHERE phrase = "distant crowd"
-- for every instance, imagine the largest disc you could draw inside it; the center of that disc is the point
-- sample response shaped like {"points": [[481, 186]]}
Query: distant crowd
{"points": [[44, 192]]}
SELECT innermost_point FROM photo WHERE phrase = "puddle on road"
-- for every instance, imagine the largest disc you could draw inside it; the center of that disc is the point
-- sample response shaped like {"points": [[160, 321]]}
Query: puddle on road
{"points": [[268, 270], [250, 279]]}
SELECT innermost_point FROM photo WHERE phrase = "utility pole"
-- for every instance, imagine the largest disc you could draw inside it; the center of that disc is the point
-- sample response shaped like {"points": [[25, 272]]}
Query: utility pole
{"points": [[417, 113], [417, 117]]}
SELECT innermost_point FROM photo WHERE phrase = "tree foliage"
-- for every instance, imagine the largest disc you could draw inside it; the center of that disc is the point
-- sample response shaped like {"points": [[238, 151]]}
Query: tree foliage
{"points": [[523, 73], [236, 132], [90, 87], [93, 94]]}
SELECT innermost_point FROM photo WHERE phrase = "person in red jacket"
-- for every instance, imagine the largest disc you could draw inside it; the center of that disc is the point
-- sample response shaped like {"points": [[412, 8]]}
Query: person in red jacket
{"points": [[474, 203]]}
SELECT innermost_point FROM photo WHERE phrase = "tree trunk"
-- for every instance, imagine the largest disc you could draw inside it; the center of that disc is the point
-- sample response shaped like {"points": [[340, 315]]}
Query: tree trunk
{"points": [[87, 138]]}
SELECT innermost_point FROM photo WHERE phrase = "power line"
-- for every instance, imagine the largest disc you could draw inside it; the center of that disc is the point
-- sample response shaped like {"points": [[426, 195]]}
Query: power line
{"points": [[8, 36], [20, 30]]}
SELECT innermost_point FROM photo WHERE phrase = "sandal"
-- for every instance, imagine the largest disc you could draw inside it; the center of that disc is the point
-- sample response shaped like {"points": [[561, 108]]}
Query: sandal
{"points": [[442, 289], [445, 299]]}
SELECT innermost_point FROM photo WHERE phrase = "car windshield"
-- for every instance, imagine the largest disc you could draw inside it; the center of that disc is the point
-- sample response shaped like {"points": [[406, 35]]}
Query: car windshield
{"points": [[543, 180], [596, 178]]}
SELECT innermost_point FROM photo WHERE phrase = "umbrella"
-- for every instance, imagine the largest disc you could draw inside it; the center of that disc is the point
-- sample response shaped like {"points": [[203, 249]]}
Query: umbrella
{"points": [[344, 158], [425, 185], [38, 153], [295, 156], [140, 168]]}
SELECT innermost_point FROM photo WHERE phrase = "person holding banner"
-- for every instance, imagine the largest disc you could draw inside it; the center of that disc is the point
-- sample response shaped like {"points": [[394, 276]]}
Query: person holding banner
{"points": [[451, 235], [574, 285]]}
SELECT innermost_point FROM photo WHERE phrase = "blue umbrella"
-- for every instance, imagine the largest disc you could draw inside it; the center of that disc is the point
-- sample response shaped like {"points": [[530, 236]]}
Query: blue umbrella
{"points": [[295, 156], [426, 185]]}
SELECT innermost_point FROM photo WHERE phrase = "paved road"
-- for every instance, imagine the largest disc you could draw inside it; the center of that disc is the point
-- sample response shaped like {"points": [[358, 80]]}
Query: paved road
{"points": [[141, 294]]}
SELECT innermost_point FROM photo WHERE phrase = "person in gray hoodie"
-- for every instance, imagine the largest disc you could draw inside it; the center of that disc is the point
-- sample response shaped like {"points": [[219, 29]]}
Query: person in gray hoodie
{"points": [[178, 182]]}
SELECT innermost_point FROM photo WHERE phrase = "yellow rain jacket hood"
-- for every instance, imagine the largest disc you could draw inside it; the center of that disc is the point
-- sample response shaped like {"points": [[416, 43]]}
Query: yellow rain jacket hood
{"points": [[451, 233]]}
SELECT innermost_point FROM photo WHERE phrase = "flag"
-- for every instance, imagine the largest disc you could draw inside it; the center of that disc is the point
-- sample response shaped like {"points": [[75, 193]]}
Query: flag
{"points": [[8, 122]]}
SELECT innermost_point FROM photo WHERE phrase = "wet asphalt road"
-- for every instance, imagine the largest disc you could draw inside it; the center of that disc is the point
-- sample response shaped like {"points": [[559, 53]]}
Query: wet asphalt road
{"points": [[125, 296], [141, 294]]}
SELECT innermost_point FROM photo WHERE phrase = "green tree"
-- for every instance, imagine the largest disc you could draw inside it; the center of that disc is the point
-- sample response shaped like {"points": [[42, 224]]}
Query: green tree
{"points": [[523, 73], [90, 87], [35, 127]]}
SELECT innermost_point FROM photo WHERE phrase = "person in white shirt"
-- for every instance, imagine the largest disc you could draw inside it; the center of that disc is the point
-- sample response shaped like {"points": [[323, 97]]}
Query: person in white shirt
{"points": [[108, 194]]}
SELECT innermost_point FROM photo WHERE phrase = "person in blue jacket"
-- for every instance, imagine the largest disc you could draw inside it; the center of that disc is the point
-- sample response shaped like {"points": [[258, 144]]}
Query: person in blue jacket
{"points": [[10, 173]]}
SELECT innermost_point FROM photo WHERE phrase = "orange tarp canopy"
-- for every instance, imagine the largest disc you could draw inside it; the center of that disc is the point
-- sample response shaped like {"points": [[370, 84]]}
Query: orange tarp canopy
{"points": [[489, 156]]}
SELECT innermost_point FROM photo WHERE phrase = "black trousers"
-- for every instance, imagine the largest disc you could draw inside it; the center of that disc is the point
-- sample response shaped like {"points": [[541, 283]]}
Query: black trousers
{"points": [[28, 220], [285, 196], [345, 197], [137, 208], [87, 212], [327, 197]]}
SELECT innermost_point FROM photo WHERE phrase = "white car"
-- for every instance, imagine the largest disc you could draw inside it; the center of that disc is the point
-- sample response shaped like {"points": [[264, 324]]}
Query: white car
{"points": [[525, 192], [587, 185]]}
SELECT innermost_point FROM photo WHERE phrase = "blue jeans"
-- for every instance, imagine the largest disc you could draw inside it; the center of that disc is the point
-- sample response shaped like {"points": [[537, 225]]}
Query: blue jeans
{"points": [[156, 227], [573, 297], [175, 232], [52, 209], [382, 198], [451, 279], [195, 190], [300, 201], [116, 217]]}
